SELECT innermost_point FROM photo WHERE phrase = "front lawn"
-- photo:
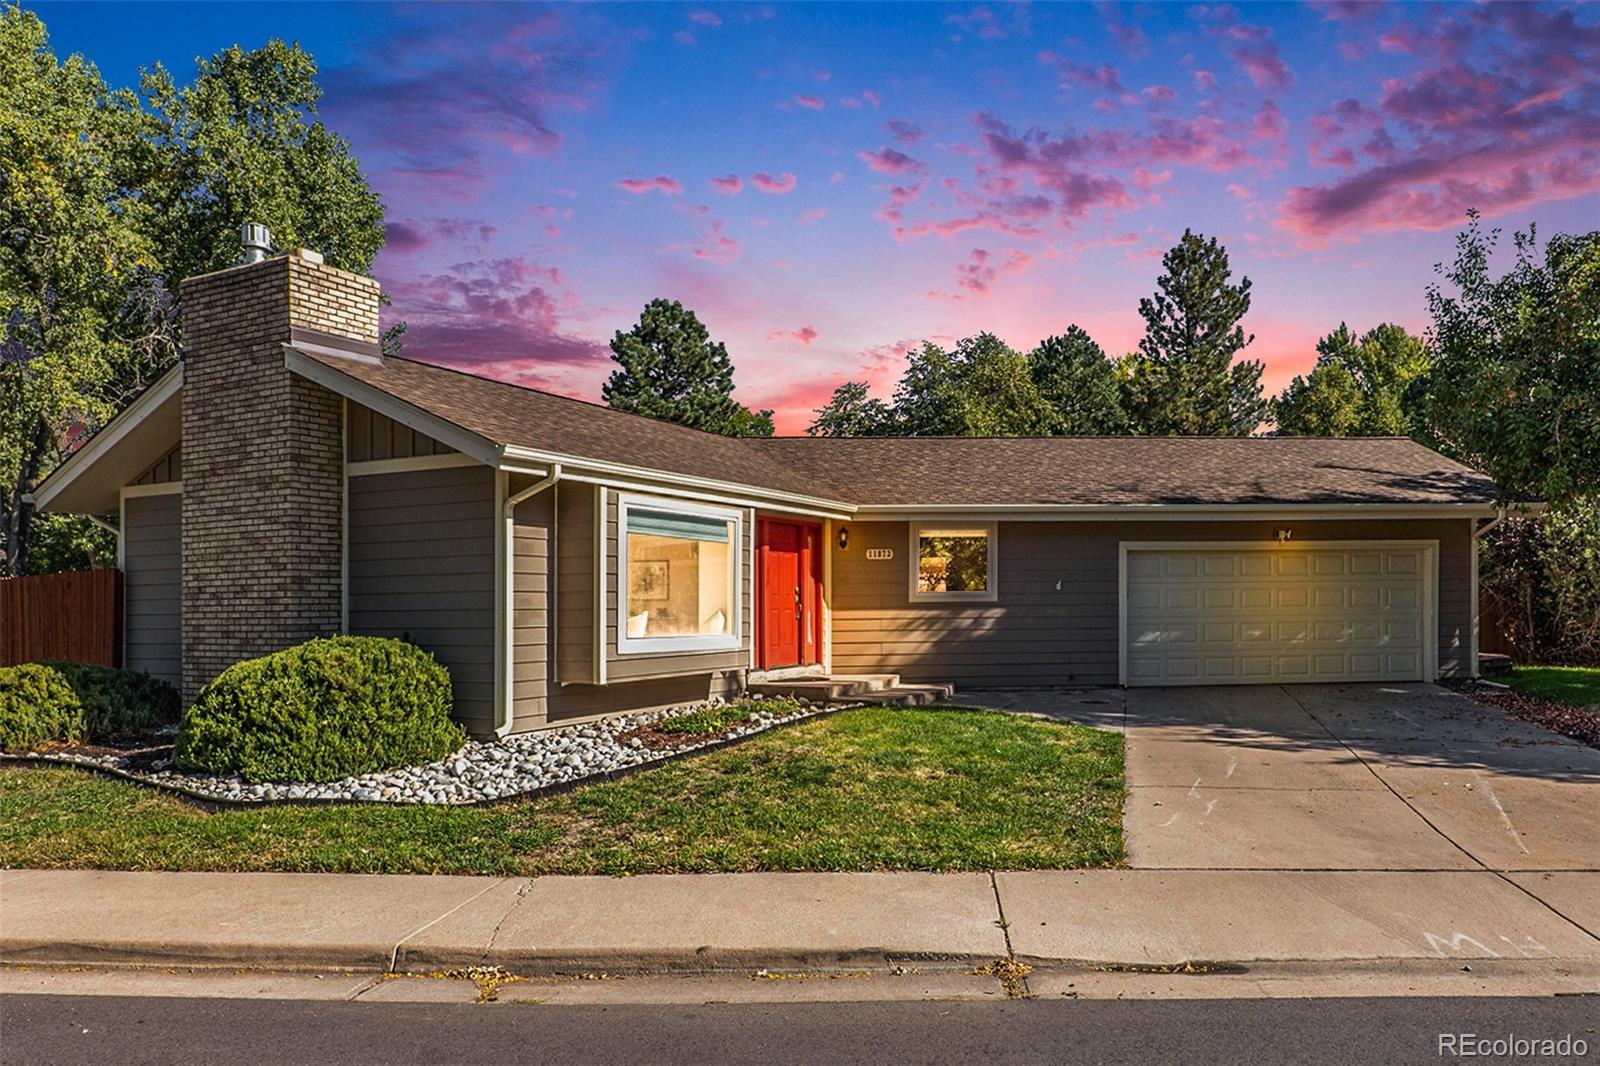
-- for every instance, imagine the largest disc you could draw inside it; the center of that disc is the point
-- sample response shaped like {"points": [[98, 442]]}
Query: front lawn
{"points": [[870, 789], [1575, 686]]}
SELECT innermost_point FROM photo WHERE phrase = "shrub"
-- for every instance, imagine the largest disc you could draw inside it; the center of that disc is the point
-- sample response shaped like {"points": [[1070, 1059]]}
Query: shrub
{"points": [[119, 702], [320, 711], [36, 706]]}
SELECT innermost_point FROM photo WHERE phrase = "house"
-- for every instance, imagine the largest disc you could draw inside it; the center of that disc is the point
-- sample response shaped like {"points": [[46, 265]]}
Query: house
{"points": [[565, 561]]}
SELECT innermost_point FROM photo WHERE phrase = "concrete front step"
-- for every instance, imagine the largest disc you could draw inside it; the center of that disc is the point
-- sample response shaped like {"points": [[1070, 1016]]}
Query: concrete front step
{"points": [[859, 689]]}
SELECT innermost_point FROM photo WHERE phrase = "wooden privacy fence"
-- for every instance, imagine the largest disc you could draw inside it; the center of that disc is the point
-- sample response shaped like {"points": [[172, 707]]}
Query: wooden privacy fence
{"points": [[75, 616]]}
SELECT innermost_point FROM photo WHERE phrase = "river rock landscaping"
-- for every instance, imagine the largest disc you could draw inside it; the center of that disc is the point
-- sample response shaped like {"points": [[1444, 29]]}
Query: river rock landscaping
{"points": [[481, 770]]}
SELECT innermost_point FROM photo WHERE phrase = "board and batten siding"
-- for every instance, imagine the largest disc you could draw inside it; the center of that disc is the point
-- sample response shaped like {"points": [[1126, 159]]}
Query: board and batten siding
{"points": [[1037, 634], [421, 565], [371, 436], [152, 561], [554, 670]]}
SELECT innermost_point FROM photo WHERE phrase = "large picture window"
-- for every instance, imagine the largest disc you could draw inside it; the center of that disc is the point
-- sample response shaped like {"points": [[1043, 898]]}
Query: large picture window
{"points": [[678, 580], [953, 562]]}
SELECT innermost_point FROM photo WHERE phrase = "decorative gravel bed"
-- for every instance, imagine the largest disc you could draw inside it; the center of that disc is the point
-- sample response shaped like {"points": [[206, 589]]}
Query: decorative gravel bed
{"points": [[479, 772]]}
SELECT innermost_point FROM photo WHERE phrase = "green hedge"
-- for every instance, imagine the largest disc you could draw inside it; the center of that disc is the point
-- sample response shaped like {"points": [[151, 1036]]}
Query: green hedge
{"points": [[119, 702], [37, 706], [320, 711]]}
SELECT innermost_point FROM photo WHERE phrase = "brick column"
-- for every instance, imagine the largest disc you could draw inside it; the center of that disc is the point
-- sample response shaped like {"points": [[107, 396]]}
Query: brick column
{"points": [[263, 460]]}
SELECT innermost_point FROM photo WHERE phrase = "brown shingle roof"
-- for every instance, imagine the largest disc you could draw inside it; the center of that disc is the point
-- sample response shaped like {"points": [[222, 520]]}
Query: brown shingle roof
{"points": [[1136, 470], [944, 470], [510, 414]]}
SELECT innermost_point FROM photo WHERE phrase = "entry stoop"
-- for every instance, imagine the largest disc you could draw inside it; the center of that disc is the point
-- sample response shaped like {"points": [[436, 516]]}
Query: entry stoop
{"points": [[864, 690]]}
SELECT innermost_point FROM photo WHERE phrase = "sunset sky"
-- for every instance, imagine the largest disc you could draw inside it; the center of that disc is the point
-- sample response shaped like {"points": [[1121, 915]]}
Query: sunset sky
{"points": [[827, 185]]}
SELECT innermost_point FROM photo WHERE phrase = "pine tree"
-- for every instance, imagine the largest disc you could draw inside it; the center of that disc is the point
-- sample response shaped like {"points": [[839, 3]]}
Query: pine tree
{"points": [[669, 368], [1186, 381], [1079, 382]]}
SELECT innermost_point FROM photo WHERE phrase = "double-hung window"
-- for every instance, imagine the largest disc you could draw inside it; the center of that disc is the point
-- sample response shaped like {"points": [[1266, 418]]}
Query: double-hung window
{"points": [[953, 562], [678, 576]]}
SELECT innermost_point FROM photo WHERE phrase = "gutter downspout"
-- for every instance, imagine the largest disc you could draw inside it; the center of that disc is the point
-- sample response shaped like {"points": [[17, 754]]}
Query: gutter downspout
{"points": [[508, 645]]}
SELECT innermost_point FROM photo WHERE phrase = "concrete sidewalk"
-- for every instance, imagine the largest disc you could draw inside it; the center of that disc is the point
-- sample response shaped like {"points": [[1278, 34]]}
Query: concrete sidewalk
{"points": [[729, 921]]}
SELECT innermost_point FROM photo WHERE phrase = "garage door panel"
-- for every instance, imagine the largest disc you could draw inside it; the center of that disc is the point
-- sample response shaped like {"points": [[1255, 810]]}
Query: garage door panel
{"points": [[1323, 614]]}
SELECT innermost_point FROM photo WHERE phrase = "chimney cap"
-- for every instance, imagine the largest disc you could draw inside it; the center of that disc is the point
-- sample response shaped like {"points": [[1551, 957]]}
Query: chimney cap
{"points": [[257, 242], [307, 254]]}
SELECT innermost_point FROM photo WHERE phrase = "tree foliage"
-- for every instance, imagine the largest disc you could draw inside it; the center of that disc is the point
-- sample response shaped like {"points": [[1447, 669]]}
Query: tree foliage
{"points": [[1184, 379], [1079, 382], [980, 388], [1540, 582], [668, 367], [853, 411], [1516, 387], [108, 198], [1374, 386]]}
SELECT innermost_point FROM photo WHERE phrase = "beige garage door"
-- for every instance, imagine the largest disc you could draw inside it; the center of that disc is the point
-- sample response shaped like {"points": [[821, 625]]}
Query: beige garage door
{"points": [[1242, 616]]}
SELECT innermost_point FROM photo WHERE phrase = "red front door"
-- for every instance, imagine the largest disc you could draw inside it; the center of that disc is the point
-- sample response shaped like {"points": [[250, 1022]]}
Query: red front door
{"points": [[790, 593]]}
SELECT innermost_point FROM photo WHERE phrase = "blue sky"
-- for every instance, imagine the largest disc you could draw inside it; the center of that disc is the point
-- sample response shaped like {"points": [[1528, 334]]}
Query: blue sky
{"points": [[827, 185]]}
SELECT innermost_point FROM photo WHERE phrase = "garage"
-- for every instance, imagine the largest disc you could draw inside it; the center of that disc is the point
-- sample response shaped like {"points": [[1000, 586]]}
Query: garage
{"points": [[1278, 613]]}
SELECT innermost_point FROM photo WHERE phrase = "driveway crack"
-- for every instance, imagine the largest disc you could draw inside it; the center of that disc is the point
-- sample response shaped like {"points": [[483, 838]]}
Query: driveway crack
{"points": [[1501, 874]]}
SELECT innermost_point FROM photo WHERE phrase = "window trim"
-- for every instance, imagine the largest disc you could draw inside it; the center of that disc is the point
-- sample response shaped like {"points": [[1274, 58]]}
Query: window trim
{"points": [[691, 643], [914, 573]]}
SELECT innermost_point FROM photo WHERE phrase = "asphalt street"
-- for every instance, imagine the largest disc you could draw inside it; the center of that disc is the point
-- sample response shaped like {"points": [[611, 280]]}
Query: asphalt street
{"points": [[135, 1030]]}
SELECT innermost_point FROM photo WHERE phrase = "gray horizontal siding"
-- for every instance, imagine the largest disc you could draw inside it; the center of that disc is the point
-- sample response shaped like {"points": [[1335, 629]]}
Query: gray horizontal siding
{"points": [[672, 664], [152, 555], [421, 566], [1035, 634]]}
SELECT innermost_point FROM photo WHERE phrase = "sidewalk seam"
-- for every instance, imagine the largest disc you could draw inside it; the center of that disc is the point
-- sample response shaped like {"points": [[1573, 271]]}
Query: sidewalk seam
{"points": [[394, 952], [522, 893], [1585, 930]]}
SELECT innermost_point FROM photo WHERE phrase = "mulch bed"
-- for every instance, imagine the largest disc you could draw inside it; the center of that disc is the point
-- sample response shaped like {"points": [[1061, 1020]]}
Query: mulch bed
{"points": [[1575, 722], [655, 738]]}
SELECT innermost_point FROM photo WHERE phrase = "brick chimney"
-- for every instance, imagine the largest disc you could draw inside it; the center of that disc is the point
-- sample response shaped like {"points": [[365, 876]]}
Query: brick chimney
{"points": [[263, 457]]}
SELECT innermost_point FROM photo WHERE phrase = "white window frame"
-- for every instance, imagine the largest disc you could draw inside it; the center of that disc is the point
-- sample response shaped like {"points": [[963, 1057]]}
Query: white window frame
{"points": [[694, 642], [914, 573]]}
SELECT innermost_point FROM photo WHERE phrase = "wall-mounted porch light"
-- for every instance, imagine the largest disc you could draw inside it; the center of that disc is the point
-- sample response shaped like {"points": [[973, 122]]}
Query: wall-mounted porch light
{"points": [[1284, 535], [844, 538]]}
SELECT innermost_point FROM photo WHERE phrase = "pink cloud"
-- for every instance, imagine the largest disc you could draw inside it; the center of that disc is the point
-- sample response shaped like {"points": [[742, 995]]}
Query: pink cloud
{"points": [[811, 217], [1128, 35], [660, 183], [488, 311], [684, 37], [810, 103], [715, 245], [776, 186], [1501, 114], [823, 76], [728, 186], [1159, 94], [871, 97], [982, 22], [904, 131], [1104, 76], [890, 161], [980, 271], [804, 335], [705, 18]]}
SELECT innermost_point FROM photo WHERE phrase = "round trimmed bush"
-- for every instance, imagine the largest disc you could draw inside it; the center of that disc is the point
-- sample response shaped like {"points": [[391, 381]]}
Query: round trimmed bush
{"points": [[320, 711], [119, 703], [36, 706]]}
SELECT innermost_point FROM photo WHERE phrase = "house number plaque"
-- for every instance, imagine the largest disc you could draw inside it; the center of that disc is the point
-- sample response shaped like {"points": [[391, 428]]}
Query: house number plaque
{"points": [[880, 553]]}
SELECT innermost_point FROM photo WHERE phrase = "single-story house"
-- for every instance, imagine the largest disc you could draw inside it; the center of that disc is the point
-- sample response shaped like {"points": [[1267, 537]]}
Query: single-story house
{"points": [[565, 560]]}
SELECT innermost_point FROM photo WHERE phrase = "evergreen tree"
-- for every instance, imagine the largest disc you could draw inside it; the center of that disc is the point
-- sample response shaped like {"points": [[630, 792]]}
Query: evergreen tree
{"points": [[1078, 381], [669, 368], [1186, 380]]}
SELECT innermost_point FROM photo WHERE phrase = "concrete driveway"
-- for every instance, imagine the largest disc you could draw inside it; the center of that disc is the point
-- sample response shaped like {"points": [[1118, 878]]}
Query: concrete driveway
{"points": [[1352, 777]]}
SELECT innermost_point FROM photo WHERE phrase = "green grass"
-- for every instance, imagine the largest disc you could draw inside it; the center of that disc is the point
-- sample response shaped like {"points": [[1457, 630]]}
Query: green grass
{"points": [[1575, 686], [870, 789]]}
